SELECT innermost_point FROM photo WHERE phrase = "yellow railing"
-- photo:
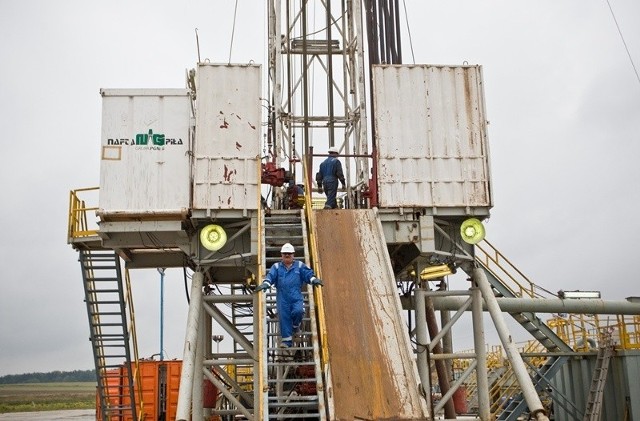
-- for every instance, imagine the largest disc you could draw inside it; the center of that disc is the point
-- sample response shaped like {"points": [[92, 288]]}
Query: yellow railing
{"points": [[495, 357], [507, 386], [512, 278], [260, 334], [629, 331], [317, 293], [78, 221], [134, 339], [581, 331], [584, 331]]}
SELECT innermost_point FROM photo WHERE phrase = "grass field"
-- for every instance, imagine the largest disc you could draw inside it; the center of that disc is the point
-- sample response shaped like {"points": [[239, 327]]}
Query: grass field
{"points": [[46, 396]]}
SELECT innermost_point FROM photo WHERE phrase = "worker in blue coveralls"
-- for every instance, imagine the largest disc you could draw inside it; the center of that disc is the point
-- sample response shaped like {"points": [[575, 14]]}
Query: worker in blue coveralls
{"points": [[288, 276], [328, 176]]}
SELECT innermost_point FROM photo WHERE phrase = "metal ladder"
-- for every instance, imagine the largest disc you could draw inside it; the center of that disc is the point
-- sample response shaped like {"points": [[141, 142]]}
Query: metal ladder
{"points": [[594, 402], [106, 309], [294, 375]]}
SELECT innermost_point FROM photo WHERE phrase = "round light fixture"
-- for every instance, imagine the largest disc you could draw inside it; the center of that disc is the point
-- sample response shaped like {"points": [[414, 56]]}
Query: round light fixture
{"points": [[472, 231], [213, 237]]}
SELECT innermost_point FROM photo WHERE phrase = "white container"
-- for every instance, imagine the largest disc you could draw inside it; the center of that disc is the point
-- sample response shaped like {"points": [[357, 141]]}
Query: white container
{"points": [[431, 138], [145, 169], [228, 132]]}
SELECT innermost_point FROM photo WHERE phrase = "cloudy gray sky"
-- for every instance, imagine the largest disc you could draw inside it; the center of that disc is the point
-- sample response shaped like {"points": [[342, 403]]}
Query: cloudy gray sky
{"points": [[562, 99]]}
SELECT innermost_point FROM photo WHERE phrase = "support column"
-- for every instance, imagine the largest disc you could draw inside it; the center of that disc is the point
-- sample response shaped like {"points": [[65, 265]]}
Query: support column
{"points": [[447, 342], [197, 404], [519, 368], [443, 377], [422, 348], [484, 410], [183, 412]]}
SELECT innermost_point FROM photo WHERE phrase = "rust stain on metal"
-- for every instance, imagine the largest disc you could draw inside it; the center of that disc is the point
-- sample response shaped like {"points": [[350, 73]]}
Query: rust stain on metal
{"points": [[228, 173], [363, 386]]}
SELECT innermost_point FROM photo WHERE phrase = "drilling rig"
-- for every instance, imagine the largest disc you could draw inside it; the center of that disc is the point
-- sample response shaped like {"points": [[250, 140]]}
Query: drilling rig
{"points": [[215, 177]]}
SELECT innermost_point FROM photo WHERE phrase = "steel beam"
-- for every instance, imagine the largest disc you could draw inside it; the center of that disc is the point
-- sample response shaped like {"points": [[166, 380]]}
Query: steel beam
{"points": [[546, 305]]}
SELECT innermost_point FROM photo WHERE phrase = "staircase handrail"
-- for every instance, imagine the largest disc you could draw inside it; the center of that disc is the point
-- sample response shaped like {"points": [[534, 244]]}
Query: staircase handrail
{"points": [[520, 285], [134, 342], [317, 293], [262, 391]]}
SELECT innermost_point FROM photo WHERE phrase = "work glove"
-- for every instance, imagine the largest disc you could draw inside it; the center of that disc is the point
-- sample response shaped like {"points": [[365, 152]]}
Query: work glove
{"points": [[263, 286], [316, 281]]}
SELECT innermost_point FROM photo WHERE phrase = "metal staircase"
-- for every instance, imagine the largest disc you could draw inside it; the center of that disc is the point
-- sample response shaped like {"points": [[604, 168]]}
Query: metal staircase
{"points": [[294, 375], [106, 309], [541, 379], [494, 264], [594, 402]]}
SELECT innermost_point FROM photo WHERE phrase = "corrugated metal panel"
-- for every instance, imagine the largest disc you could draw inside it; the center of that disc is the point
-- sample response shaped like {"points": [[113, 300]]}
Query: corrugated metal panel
{"points": [[145, 151], [621, 388], [227, 144], [431, 137]]}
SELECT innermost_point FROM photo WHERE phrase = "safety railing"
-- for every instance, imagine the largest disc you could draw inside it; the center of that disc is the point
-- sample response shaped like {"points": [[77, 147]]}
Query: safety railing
{"points": [[262, 388], [512, 278], [629, 331], [583, 331], [134, 341], [506, 387], [561, 327], [79, 225], [496, 357], [317, 295]]}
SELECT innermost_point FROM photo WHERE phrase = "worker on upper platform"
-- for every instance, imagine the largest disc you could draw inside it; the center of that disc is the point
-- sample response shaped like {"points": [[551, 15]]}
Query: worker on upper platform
{"points": [[328, 176], [288, 276]]}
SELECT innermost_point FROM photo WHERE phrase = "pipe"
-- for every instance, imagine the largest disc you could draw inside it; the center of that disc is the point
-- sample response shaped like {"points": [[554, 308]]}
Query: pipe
{"points": [[161, 271], [232, 398], [197, 398], [230, 328], [517, 364], [443, 378], [422, 346], [482, 374], [547, 305], [446, 328], [183, 411], [447, 340]]}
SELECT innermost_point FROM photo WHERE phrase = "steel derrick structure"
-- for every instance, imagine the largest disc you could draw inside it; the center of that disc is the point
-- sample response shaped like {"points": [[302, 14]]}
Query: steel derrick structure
{"points": [[316, 84]]}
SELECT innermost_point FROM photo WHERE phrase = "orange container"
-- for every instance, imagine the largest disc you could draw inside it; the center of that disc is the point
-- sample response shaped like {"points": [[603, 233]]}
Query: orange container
{"points": [[155, 377]]}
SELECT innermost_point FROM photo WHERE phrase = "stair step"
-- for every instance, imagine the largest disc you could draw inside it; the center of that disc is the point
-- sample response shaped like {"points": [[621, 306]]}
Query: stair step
{"points": [[295, 363], [305, 380], [293, 416]]}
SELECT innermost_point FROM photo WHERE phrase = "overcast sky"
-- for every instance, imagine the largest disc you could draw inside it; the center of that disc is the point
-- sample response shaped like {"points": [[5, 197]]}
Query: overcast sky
{"points": [[562, 99]]}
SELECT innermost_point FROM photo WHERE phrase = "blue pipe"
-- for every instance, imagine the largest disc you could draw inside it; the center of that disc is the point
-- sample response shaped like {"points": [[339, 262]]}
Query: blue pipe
{"points": [[161, 270]]}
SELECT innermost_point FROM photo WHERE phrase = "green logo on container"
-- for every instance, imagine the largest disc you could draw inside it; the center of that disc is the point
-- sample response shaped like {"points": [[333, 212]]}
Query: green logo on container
{"points": [[157, 139], [146, 141]]}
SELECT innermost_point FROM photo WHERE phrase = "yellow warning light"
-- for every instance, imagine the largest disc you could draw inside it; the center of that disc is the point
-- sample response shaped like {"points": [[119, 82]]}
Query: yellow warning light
{"points": [[472, 231], [213, 237], [433, 272]]}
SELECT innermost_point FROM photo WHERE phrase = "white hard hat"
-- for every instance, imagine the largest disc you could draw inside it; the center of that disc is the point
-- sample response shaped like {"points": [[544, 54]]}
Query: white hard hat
{"points": [[333, 149], [287, 248]]}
